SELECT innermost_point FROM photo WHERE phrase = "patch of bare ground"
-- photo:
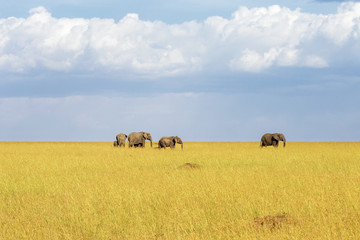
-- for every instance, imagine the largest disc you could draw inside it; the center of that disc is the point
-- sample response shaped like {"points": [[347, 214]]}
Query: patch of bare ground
{"points": [[273, 222], [190, 166]]}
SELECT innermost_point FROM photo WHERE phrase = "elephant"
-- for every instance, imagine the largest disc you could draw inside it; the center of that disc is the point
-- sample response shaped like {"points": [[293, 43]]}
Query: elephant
{"points": [[138, 139], [272, 139], [121, 139], [116, 144], [170, 142]]}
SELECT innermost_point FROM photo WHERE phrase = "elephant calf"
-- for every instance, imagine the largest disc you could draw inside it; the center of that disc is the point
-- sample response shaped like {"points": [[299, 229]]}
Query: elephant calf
{"points": [[170, 142], [272, 139], [121, 139]]}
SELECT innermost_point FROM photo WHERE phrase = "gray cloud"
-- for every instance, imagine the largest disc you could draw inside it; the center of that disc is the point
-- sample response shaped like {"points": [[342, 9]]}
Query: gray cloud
{"points": [[193, 116]]}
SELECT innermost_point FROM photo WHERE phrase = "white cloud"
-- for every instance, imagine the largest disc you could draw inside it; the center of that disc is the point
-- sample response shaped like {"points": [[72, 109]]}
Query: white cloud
{"points": [[251, 40], [252, 61], [315, 62], [343, 25]]}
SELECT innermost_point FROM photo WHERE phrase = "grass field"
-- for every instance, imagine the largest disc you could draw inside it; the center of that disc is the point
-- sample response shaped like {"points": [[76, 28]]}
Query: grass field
{"points": [[236, 191]]}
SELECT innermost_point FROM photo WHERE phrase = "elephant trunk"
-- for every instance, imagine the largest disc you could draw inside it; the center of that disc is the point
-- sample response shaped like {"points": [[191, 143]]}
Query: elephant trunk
{"points": [[284, 140], [150, 142], [182, 145]]}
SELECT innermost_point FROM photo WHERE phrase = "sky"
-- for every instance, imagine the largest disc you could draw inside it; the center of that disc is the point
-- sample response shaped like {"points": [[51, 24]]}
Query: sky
{"points": [[202, 70]]}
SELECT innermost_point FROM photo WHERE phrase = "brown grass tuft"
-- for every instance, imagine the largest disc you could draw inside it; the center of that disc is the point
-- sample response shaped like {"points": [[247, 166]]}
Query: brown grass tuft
{"points": [[190, 166], [274, 221]]}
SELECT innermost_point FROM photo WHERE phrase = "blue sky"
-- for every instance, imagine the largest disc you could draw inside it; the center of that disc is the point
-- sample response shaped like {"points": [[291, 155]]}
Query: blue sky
{"points": [[202, 70]]}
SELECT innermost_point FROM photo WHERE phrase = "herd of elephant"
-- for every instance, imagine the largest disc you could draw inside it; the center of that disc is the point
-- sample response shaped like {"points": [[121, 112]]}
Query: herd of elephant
{"points": [[137, 139]]}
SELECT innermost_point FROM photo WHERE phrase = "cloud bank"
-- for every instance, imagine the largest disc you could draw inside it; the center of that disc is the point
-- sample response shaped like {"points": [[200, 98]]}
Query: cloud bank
{"points": [[95, 118], [252, 40]]}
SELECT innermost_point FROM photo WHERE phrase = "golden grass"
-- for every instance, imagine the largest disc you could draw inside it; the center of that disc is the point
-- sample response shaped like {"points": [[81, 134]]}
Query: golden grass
{"points": [[237, 191]]}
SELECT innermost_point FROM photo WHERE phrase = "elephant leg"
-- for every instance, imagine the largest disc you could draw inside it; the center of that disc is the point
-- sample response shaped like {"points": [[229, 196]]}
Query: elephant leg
{"points": [[275, 143]]}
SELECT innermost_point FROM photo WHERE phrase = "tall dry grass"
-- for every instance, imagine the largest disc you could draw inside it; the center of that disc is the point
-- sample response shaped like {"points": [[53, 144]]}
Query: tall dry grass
{"points": [[236, 191]]}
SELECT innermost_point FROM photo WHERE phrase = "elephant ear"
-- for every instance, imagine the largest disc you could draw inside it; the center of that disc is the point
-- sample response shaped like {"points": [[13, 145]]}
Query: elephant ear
{"points": [[276, 137], [146, 135]]}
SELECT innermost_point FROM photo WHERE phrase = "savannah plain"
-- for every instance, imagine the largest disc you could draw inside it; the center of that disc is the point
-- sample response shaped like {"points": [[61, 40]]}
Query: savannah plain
{"points": [[235, 190]]}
